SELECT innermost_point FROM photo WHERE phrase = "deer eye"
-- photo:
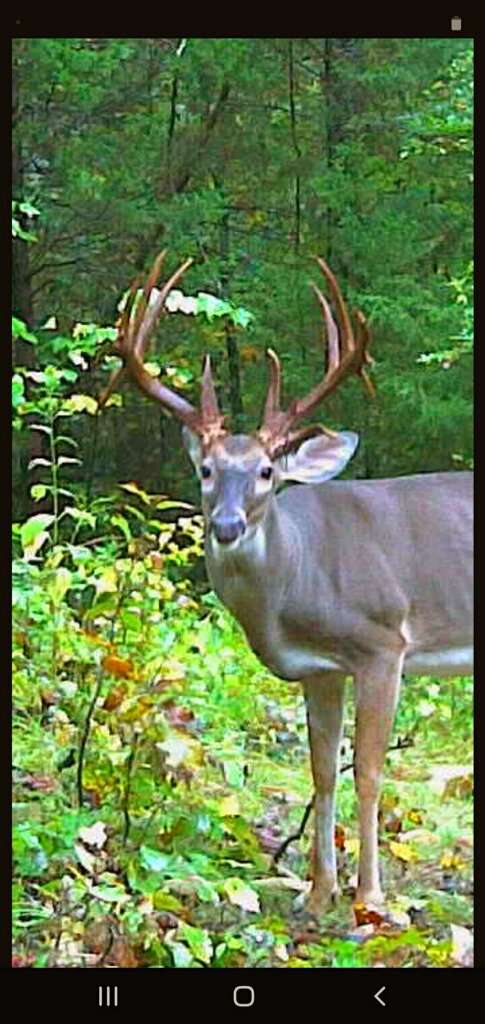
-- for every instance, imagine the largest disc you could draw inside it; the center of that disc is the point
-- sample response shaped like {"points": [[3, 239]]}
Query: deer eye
{"points": [[205, 472], [267, 472]]}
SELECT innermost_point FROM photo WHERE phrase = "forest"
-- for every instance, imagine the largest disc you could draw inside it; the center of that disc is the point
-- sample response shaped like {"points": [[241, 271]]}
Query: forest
{"points": [[161, 779]]}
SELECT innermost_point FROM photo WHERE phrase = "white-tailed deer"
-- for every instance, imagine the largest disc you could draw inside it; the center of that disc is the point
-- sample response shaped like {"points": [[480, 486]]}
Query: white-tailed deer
{"points": [[357, 578]]}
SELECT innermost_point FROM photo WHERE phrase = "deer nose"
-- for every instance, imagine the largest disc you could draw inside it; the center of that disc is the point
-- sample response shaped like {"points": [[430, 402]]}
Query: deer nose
{"points": [[228, 526]]}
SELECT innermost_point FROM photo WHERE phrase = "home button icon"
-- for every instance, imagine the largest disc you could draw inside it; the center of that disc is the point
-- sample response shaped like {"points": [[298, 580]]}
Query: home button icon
{"points": [[243, 995]]}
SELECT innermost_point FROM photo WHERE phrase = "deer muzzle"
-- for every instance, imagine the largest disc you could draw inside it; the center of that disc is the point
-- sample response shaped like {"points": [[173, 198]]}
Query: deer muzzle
{"points": [[228, 526]]}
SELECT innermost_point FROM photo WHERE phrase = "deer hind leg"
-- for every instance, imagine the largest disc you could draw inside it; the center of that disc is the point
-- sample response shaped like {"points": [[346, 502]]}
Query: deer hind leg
{"points": [[324, 697], [377, 691]]}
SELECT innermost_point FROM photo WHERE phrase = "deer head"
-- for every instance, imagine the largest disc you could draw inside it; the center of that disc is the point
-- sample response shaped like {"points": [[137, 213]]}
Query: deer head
{"points": [[239, 473]]}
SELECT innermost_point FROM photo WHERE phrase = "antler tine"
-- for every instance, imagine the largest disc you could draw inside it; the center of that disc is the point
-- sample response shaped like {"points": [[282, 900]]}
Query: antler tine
{"points": [[344, 354], [331, 339], [123, 327], [343, 316], [208, 399], [144, 300], [152, 313], [272, 404]]}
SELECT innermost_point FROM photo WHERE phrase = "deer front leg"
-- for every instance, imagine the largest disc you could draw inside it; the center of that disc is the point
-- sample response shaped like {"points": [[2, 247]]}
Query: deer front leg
{"points": [[377, 691], [324, 697]]}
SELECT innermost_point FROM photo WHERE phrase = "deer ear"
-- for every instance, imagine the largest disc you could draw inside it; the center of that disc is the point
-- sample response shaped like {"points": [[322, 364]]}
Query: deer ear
{"points": [[318, 459], [193, 447]]}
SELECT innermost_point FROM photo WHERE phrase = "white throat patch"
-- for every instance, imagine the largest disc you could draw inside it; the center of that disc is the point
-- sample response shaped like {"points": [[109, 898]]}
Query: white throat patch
{"points": [[251, 546]]}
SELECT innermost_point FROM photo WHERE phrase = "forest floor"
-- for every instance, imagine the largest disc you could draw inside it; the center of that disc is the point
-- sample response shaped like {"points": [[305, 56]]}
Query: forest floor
{"points": [[156, 776]]}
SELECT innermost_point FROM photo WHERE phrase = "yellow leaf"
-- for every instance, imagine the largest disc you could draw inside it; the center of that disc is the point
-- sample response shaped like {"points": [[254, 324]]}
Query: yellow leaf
{"points": [[81, 403], [452, 862], [388, 802], [403, 852], [93, 638], [133, 488], [352, 846], [229, 807], [107, 583]]}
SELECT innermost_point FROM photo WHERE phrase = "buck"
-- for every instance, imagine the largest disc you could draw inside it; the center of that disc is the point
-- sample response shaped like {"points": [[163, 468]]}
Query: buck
{"points": [[368, 579]]}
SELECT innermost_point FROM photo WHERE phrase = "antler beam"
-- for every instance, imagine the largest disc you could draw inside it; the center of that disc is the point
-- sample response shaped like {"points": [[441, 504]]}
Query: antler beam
{"points": [[134, 333]]}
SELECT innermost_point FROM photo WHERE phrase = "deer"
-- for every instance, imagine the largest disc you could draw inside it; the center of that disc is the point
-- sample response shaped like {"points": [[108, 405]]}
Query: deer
{"points": [[329, 579]]}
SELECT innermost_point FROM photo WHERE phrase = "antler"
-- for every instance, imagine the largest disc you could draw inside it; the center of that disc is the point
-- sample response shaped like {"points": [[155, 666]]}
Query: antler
{"points": [[134, 332], [348, 356]]}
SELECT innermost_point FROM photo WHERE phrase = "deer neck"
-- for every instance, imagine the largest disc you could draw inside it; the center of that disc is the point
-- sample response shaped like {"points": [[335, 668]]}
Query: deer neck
{"points": [[252, 577]]}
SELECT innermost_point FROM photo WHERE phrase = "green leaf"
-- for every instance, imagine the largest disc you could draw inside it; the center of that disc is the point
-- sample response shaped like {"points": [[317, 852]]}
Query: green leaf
{"points": [[234, 774], [133, 488], [129, 620], [211, 306], [122, 523], [18, 390], [207, 892], [198, 941], [34, 526], [30, 550], [28, 209], [38, 491], [165, 901], [114, 400], [153, 860], [80, 515], [19, 232], [81, 403], [98, 334], [20, 330], [63, 439], [107, 582], [59, 586], [103, 606], [140, 516], [110, 893], [241, 317], [167, 503], [182, 957], [33, 533]]}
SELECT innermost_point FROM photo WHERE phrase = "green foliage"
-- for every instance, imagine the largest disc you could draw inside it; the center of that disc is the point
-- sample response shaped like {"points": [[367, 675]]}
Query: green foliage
{"points": [[123, 143], [27, 211], [148, 770]]}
